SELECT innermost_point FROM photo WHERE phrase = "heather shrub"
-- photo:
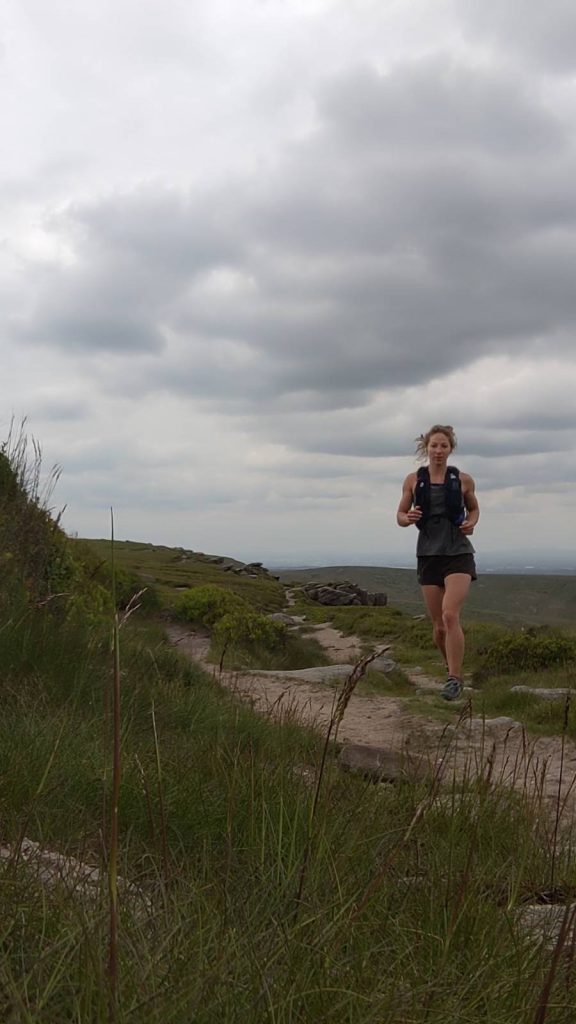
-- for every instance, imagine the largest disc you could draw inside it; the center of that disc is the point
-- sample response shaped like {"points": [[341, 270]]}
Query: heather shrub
{"points": [[204, 606], [528, 651], [249, 631]]}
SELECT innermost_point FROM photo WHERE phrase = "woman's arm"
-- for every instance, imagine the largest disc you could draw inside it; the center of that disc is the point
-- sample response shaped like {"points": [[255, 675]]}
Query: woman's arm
{"points": [[470, 503], [406, 515]]}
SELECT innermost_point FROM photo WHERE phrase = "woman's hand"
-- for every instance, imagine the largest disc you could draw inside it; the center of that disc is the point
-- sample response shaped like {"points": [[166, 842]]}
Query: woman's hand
{"points": [[413, 515]]}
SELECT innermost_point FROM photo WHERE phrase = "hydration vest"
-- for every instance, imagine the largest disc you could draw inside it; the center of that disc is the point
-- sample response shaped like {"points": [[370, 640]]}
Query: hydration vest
{"points": [[453, 501]]}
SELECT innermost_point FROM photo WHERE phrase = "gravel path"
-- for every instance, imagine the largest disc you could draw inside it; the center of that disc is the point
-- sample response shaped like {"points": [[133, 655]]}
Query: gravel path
{"points": [[498, 748]]}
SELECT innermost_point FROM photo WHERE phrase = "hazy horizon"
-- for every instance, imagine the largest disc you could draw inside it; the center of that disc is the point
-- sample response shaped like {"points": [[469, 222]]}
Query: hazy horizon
{"points": [[512, 564], [553, 562]]}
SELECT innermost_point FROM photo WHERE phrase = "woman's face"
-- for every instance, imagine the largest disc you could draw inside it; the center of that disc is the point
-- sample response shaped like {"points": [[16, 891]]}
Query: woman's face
{"points": [[438, 449]]}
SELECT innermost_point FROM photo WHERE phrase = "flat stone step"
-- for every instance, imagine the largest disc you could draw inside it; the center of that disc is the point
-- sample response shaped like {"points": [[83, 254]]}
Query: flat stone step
{"points": [[319, 674], [501, 725]]}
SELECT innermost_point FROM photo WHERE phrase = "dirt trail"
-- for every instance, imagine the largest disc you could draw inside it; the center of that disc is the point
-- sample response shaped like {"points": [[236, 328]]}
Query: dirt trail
{"points": [[338, 648], [499, 747]]}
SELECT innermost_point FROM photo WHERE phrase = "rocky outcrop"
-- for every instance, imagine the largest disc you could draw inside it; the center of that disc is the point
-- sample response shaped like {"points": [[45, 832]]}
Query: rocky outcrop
{"points": [[253, 569], [343, 593], [224, 563]]}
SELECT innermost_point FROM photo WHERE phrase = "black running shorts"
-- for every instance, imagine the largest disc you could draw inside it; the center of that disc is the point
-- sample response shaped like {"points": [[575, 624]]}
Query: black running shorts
{"points": [[433, 569]]}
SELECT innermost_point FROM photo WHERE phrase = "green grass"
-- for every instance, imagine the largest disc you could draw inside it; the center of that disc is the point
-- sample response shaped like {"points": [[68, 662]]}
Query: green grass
{"points": [[540, 717], [395, 925], [494, 699], [390, 684], [410, 636], [297, 652]]}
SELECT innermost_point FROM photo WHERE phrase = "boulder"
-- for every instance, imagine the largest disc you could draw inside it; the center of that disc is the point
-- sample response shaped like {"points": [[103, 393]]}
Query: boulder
{"points": [[383, 665], [544, 693], [380, 764]]}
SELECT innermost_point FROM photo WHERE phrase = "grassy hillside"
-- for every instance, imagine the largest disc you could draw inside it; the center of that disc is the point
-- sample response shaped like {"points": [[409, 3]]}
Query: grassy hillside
{"points": [[260, 883], [529, 600], [505, 599], [246, 642], [172, 570]]}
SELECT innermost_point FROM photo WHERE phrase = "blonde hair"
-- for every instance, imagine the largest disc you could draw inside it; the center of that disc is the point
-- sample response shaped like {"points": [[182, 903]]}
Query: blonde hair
{"points": [[423, 440]]}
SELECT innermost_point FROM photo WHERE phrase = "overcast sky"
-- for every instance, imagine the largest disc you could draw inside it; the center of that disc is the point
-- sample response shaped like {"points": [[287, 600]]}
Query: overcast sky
{"points": [[251, 248]]}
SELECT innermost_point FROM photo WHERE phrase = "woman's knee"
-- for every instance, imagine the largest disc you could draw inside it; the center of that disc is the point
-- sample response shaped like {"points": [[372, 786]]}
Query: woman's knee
{"points": [[450, 618]]}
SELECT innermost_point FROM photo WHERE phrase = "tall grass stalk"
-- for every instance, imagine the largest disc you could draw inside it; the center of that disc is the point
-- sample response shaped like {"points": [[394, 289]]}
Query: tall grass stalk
{"points": [[163, 827], [147, 797], [568, 922], [558, 805], [116, 774]]}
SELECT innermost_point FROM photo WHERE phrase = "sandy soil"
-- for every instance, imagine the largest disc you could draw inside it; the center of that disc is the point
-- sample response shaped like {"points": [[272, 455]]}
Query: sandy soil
{"points": [[498, 748], [338, 648]]}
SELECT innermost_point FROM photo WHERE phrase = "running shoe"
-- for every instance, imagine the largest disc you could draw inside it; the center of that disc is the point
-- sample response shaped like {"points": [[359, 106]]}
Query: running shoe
{"points": [[452, 689]]}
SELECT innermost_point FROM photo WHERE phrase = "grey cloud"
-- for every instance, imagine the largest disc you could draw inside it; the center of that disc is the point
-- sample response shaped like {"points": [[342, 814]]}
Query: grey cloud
{"points": [[92, 330], [122, 453], [433, 104], [544, 33], [135, 256], [317, 469], [557, 421], [350, 269], [53, 174], [161, 230], [520, 442], [336, 435], [533, 474], [102, 491], [59, 408]]}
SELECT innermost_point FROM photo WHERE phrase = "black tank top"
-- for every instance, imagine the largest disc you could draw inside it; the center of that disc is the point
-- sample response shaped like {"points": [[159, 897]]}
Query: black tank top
{"points": [[439, 536]]}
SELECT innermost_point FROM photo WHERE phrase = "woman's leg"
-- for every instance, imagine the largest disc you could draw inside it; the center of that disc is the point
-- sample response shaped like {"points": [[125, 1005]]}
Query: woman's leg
{"points": [[456, 589], [433, 599]]}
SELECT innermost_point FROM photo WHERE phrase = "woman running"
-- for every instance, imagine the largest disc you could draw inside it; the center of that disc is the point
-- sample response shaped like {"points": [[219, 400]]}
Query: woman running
{"points": [[440, 501]]}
